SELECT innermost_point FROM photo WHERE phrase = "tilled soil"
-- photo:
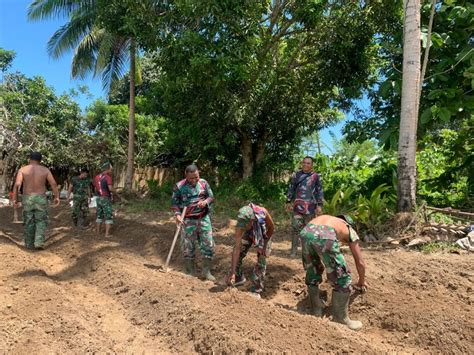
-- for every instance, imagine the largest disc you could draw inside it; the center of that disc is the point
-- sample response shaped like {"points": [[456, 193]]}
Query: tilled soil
{"points": [[88, 294]]}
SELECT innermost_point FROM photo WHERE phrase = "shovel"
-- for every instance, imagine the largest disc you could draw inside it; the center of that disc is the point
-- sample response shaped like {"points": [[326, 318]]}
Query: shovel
{"points": [[165, 268]]}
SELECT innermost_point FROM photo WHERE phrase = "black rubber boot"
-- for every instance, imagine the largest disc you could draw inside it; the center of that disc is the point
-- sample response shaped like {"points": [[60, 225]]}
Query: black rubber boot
{"points": [[317, 305], [190, 267], [340, 307], [294, 246], [206, 269]]}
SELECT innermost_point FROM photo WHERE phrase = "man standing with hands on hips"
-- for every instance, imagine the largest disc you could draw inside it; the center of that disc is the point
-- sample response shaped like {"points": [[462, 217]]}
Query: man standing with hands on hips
{"points": [[304, 198], [195, 194]]}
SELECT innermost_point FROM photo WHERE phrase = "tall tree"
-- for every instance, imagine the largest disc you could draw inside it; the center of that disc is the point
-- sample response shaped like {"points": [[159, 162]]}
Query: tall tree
{"points": [[262, 74], [409, 107], [101, 45]]}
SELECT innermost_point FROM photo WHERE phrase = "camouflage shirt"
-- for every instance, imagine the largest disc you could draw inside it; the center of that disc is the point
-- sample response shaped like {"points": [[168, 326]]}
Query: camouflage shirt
{"points": [[81, 187], [306, 192], [184, 194]]}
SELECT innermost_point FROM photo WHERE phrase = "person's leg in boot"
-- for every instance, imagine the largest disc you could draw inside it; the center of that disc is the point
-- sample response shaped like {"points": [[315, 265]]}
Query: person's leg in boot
{"points": [[75, 210], [99, 216], [339, 276], [314, 270], [188, 248], [340, 310], [206, 269], [29, 224], [245, 245], [297, 225], [206, 246], [108, 217], [84, 212], [258, 276], [41, 219]]}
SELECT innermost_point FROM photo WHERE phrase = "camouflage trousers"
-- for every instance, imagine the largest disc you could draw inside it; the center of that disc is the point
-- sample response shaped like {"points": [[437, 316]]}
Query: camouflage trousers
{"points": [[35, 219], [80, 207], [298, 222], [104, 210], [194, 231], [260, 269], [320, 246]]}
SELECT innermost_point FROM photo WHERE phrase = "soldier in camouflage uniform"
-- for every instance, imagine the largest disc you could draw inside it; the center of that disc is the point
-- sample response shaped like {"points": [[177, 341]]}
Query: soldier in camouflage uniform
{"points": [[255, 227], [195, 194], [104, 190], [34, 177], [304, 199], [320, 240], [80, 187]]}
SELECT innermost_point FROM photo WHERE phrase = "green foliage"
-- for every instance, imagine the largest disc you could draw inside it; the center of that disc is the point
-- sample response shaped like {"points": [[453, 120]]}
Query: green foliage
{"points": [[109, 124], [97, 50], [258, 76], [447, 93], [445, 174], [35, 118], [162, 193], [361, 166], [359, 180], [369, 212], [6, 59], [372, 212], [436, 247]]}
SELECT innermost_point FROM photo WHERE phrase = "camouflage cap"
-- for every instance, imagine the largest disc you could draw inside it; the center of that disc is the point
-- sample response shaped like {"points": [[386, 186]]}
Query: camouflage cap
{"points": [[348, 219], [244, 216], [105, 166]]}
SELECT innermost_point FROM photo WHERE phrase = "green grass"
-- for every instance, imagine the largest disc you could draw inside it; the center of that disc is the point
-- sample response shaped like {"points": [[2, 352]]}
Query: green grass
{"points": [[225, 207], [436, 247]]}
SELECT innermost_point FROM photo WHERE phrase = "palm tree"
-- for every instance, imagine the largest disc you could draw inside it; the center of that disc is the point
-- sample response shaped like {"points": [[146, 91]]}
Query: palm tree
{"points": [[410, 103], [96, 51]]}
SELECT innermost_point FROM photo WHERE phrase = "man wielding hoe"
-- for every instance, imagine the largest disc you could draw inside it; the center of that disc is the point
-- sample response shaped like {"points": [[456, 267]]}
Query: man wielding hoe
{"points": [[195, 194], [34, 177], [104, 190], [80, 186], [304, 198], [321, 240], [255, 227]]}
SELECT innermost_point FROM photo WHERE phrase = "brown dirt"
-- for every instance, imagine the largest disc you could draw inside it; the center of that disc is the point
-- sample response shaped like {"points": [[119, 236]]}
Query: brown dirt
{"points": [[84, 294]]}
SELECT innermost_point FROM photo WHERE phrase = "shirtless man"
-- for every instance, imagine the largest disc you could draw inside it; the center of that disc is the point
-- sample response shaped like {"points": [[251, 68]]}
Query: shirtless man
{"points": [[33, 177], [321, 240]]}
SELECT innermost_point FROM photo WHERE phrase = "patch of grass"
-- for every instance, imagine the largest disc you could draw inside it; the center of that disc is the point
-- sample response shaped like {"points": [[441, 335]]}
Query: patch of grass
{"points": [[436, 247], [225, 207], [147, 205]]}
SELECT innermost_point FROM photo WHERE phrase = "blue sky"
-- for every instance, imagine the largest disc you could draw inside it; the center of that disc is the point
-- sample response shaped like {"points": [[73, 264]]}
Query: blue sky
{"points": [[28, 39]]}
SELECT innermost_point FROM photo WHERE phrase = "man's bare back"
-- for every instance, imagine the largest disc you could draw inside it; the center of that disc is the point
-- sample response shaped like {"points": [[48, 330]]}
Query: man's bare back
{"points": [[34, 177], [339, 226]]}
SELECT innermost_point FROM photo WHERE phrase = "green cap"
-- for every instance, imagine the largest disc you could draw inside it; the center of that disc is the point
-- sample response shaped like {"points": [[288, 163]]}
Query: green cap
{"points": [[105, 166], [244, 216], [347, 219]]}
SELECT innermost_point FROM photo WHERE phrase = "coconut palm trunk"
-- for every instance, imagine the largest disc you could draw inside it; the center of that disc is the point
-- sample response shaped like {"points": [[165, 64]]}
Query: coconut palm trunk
{"points": [[406, 173], [131, 120]]}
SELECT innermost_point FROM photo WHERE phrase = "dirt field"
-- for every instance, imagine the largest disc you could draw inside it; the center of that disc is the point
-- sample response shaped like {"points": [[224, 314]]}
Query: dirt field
{"points": [[84, 294]]}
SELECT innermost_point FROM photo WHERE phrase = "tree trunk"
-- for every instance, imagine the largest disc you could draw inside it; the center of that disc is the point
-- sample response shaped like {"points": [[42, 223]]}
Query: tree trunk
{"points": [[131, 120], [409, 107], [247, 156], [260, 149]]}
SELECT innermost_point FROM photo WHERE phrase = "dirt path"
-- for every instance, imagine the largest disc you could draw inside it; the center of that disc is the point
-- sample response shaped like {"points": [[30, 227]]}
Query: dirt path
{"points": [[87, 295]]}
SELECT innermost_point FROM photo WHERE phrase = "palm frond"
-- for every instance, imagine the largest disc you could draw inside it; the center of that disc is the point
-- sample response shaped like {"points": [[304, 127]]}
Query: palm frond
{"points": [[69, 35], [86, 52], [112, 58], [43, 9]]}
